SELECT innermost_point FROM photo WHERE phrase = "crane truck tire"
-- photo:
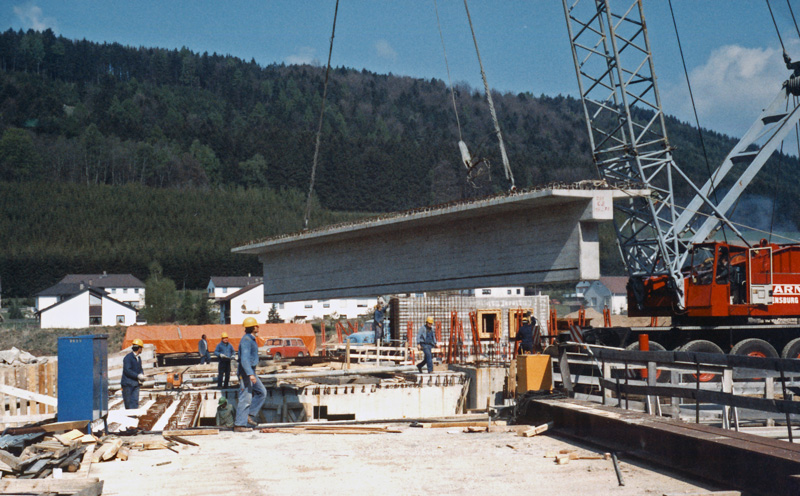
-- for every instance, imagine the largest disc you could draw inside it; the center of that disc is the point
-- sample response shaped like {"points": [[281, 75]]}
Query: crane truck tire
{"points": [[702, 346], [754, 347], [792, 349], [636, 373]]}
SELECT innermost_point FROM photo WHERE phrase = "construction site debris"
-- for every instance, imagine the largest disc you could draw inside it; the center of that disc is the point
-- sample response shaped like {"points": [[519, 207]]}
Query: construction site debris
{"points": [[16, 356], [343, 429], [465, 423], [535, 431]]}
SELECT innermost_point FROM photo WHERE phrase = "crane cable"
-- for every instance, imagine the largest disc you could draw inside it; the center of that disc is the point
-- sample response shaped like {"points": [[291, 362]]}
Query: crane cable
{"points": [[793, 19], [447, 66], [506, 165], [778, 31], [712, 177], [321, 115]]}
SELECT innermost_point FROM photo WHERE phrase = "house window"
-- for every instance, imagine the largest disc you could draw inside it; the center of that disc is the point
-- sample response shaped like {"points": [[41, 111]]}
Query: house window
{"points": [[136, 290], [125, 290], [113, 290], [518, 291], [594, 302], [308, 305], [361, 305], [326, 305], [224, 290], [486, 291], [95, 321], [120, 319], [508, 291], [280, 305]]}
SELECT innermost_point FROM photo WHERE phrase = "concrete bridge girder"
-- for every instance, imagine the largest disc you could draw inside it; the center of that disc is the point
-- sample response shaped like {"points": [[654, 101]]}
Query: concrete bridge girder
{"points": [[524, 238]]}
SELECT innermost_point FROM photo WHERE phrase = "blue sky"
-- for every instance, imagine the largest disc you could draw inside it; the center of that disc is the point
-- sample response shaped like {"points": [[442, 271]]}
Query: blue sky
{"points": [[732, 50]]}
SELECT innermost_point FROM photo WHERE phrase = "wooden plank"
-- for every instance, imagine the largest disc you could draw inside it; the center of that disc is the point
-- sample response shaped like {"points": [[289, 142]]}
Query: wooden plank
{"points": [[65, 426], [67, 438], [191, 432], [29, 395], [33, 386], [10, 460], [111, 452], [21, 382], [92, 487], [42, 374], [52, 371]]}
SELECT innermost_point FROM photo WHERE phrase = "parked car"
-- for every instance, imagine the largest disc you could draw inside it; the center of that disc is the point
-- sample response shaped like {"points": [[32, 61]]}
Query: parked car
{"points": [[278, 348]]}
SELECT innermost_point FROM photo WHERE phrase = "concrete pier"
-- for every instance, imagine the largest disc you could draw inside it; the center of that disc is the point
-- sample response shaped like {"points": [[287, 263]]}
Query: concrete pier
{"points": [[548, 235]]}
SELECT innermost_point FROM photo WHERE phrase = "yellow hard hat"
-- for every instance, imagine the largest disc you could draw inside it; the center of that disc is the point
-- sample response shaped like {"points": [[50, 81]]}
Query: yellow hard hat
{"points": [[225, 334], [138, 342], [250, 322], [429, 320]]}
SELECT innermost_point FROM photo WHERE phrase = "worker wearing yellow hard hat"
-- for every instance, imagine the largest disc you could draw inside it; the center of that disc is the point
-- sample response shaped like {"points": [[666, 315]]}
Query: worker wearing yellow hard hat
{"points": [[132, 375], [224, 352], [252, 392], [427, 341]]}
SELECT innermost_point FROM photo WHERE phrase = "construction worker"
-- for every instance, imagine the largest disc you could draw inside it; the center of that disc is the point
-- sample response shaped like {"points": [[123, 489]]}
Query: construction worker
{"points": [[377, 320], [525, 334], [202, 348], [224, 352], [225, 413], [132, 375], [252, 392], [426, 341]]}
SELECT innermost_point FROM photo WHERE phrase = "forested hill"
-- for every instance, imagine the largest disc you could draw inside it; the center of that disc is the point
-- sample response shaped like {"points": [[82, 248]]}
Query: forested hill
{"points": [[105, 114]]}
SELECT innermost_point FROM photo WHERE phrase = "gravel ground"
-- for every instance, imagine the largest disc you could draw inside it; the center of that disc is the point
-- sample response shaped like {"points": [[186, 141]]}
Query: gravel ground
{"points": [[442, 461]]}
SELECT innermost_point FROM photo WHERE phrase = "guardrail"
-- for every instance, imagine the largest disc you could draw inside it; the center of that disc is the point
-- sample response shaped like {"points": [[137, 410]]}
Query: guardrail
{"points": [[730, 381]]}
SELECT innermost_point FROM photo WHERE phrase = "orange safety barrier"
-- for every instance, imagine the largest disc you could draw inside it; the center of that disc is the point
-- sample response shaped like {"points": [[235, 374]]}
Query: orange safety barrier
{"points": [[606, 317], [184, 338], [411, 345], [476, 339]]}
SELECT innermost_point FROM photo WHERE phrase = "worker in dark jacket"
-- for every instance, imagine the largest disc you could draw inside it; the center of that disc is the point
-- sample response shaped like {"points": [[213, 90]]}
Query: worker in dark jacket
{"points": [[224, 352], [427, 341], [525, 334], [225, 413], [378, 321], [132, 375], [252, 392], [202, 348]]}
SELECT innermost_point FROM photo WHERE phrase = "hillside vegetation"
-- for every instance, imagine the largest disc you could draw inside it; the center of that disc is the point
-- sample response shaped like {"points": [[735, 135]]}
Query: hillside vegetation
{"points": [[113, 156]]}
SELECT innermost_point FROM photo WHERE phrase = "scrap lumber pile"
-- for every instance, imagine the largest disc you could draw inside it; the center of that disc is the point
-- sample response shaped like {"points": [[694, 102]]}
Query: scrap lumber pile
{"points": [[53, 454]]}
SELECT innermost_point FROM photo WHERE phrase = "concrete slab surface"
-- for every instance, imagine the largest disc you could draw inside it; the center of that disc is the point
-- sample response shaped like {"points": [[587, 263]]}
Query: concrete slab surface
{"points": [[441, 461]]}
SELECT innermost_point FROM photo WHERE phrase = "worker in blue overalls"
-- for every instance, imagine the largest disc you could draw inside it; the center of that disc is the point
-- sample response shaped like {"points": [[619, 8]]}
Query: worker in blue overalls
{"points": [[378, 321], [132, 375], [427, 341]]}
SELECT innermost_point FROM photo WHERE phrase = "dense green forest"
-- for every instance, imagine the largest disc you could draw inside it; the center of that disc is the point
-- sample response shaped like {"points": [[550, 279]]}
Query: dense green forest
{"points": [[112, 157]]}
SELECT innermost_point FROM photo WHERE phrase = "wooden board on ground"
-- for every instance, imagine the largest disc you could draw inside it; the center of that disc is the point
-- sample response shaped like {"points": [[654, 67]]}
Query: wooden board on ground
{"points": [[65, 426], [74, 487], [191, 432]]}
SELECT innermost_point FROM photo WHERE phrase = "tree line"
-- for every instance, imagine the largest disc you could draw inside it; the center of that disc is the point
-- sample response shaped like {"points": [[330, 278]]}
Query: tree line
{"points": [[112, 156]]}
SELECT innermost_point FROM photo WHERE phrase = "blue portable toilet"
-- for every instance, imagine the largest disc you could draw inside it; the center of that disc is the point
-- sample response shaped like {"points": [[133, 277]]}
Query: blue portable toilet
{"points": [[82, 377]]}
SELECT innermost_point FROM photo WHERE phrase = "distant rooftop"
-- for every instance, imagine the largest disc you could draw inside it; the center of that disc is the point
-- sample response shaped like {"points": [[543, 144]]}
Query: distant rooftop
{"points": [[235, 281], [104, 280]]}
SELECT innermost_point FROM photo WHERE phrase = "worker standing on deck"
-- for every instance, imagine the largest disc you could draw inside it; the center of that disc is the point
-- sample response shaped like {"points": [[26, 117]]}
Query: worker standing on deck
{"points": [[132, 375], [252, 392], [202, 348], [525, 334], [378, 320], [224, 352], [427, 341]]}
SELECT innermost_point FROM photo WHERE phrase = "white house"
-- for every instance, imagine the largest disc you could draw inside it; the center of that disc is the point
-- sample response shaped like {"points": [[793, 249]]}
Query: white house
{"points": [[249, 302], [122, 287], [608, 292], [89, 307], [223, 286]]}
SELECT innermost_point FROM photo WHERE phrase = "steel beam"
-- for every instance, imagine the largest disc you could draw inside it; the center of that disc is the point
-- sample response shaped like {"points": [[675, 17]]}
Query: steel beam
{"points": [[734, 460], [548, 235]]}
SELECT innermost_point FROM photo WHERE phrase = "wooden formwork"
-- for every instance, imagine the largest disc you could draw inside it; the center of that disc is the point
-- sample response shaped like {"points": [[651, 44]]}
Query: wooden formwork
{"points": [[28, 393]]}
